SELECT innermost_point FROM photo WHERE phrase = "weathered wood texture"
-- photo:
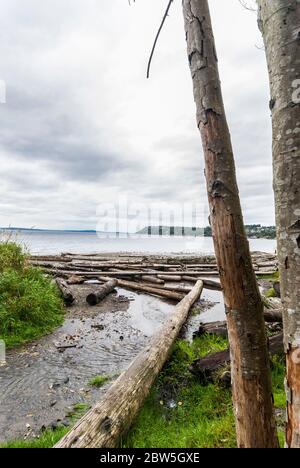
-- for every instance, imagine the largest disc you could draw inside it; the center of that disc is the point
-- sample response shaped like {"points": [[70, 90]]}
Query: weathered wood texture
{"points": [[113, 415], [279, 21], [65, 291], [155, 290], [97, 296], [251, 377]]}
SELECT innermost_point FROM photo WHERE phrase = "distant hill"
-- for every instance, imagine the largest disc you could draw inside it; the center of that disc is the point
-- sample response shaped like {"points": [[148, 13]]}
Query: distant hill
{"points": [[254, 231]]}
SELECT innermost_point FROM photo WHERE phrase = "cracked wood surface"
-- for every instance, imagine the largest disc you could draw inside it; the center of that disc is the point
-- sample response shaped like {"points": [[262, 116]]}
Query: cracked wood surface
{"points": [[279, 21], [251, 379]]}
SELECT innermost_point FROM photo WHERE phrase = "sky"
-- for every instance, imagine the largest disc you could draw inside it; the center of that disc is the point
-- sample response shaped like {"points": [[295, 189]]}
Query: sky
{"points": [[82, 128]]}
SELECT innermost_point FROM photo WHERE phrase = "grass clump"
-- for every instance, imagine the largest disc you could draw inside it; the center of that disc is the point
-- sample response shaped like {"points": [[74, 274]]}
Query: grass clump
{"points": [[99, 381], [30, 305], [46, 440], [270, 293]]}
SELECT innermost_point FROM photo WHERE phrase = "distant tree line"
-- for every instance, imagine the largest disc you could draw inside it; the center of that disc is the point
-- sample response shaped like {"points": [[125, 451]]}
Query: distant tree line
{"points": [[253, 231]]}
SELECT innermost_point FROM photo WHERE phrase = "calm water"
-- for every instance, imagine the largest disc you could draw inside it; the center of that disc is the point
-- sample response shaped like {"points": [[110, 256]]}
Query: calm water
{"points": [[57, 242]]}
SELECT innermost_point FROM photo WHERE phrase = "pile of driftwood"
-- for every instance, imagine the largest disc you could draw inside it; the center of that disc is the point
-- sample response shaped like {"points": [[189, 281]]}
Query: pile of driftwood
{"points": [[170, 277]]}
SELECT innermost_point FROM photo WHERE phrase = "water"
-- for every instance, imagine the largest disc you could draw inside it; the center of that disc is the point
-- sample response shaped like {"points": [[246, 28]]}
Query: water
{"points": [[48, 242]]}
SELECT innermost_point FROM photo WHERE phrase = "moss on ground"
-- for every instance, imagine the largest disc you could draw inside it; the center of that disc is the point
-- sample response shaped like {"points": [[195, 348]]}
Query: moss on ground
{"points": [[99, 381]]}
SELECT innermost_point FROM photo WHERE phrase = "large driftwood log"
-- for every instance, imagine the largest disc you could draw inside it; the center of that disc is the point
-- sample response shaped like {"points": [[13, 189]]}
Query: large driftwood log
{"points": [[104, 425], [155, 290], [170, 278], [65, 291], [208, 284], [102, 292], [153, 279]]}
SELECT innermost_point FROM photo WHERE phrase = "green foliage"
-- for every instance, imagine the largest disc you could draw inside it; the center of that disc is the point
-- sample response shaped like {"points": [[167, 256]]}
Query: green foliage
{"points": [[270, 293], [11, 257], [46, 440], [99, 381], [30, 305]]}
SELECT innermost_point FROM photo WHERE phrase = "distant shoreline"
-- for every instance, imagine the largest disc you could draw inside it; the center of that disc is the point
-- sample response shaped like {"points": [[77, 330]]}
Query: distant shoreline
{"points": [[252, 231]]}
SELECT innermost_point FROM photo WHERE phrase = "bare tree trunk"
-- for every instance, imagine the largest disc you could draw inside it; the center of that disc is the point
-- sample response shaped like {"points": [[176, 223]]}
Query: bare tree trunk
{"points": [[279, 21], [252, 393]]}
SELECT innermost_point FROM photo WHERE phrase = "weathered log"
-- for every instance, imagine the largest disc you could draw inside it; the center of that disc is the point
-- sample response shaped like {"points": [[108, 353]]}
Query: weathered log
{"points": [[214, 328], [73, 280], [126, 273], [111, 418], [147, 289], [208, 284], [65, 291], [220, 328], [97, 296], [206, 368], [169, 278], [273, 315], [153, 279]]}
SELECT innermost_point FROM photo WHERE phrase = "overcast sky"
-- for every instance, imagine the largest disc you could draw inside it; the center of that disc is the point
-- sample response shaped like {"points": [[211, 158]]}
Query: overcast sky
{"points": [[83, 126]]}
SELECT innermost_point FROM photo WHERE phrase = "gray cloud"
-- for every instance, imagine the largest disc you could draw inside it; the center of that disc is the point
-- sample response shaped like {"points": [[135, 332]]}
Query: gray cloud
{"points": [[83, 126]]}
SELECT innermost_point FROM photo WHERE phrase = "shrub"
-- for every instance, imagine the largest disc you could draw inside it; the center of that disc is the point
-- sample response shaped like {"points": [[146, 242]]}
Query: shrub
{"points": [[30, 305]]}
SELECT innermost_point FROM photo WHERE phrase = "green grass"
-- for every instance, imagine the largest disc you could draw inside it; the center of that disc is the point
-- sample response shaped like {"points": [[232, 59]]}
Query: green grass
{"points": [[272, 277], [202, 416], [30, 305], [270, 293], [46, 440], [99, 381]]}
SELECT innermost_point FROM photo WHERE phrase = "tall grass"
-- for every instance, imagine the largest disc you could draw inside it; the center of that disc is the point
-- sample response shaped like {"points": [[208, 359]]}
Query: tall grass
{"points": [[30, 305]]}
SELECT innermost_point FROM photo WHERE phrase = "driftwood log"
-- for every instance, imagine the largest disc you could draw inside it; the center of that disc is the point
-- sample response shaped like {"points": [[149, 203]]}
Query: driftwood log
{"points": [[208, 284], [206, 369], [97, 296], [65, 291], [111, 418], [155, 290]]}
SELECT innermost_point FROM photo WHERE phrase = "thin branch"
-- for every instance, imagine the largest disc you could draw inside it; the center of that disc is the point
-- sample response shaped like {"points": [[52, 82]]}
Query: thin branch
{"points": [[157, 36]]}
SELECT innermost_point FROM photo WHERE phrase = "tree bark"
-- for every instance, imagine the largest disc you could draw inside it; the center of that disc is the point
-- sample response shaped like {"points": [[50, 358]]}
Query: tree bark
{"points": [[103, 426], [251, 378], [65, 291], [279, 21], [94, 298]]}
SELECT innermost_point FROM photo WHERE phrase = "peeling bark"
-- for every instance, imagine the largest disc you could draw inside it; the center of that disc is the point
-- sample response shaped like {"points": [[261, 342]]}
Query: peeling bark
{"points": [[252, 394], [279, 21]]}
